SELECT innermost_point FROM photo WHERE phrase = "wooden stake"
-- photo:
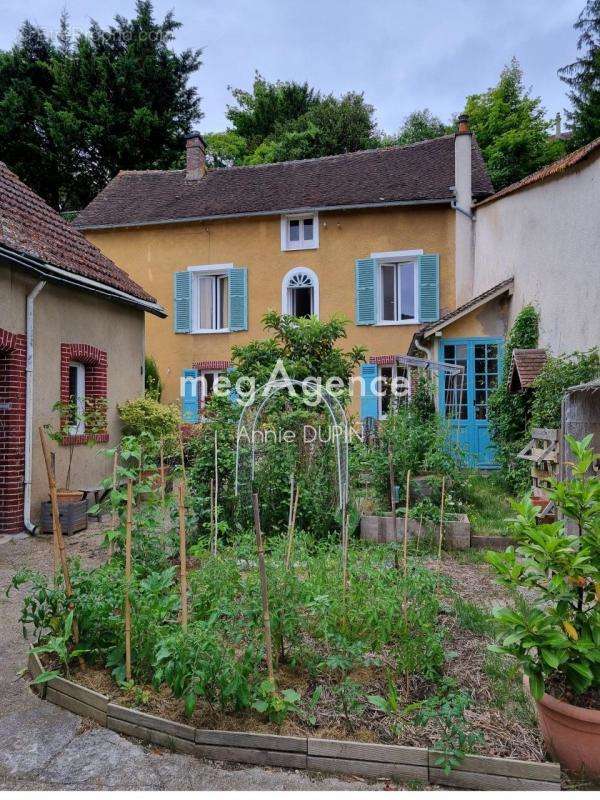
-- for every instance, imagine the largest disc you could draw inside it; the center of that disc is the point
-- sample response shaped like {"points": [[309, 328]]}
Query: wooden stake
{"points": [[441, 534], [182, 558], [264, 589], [128, 531], [345, 549], [162, 473], [405, 554], [216, 497], [182, 456], [212, 516], [115, 515], [58, 542], [419, 534], [291, 522]]}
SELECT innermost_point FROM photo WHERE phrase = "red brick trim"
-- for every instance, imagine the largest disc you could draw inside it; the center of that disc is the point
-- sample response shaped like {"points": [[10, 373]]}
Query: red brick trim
{"points": [[12, 429], [208, 365], [96, 382], [383, 360]]}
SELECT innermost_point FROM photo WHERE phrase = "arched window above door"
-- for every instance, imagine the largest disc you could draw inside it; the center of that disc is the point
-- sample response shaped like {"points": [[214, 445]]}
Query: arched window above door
{"points": [[300, 293]]}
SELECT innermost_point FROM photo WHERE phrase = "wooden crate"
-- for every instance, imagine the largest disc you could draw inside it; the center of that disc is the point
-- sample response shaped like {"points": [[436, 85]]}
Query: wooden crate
{"points": [[73, 517]]}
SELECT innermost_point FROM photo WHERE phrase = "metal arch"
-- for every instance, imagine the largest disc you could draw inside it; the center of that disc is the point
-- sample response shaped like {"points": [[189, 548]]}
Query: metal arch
{"points": [[270, 391]]}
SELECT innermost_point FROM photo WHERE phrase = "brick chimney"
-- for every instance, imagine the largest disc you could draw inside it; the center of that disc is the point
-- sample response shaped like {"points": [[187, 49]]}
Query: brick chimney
{"points": [[463, 194], [195, 152]]}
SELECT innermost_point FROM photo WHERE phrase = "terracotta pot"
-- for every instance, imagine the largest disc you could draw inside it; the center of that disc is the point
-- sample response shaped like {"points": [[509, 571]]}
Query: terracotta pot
{"points": [[571, 734], [68, 496]]}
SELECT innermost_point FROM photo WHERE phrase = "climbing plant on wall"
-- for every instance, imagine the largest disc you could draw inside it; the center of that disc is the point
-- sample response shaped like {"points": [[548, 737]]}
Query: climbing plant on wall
{"points": [[510, 414]]}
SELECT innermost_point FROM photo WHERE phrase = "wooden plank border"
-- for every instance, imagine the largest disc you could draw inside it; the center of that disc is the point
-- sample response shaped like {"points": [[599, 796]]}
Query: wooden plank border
{"points": [[34, 665], [298, 752]]}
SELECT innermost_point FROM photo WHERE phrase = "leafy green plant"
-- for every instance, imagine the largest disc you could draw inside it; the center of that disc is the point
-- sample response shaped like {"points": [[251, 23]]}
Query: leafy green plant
{"points": [[557, 375], [60, 645], [147, 415], [275, 705], [152, 382], [91, 418], [557, 635]]}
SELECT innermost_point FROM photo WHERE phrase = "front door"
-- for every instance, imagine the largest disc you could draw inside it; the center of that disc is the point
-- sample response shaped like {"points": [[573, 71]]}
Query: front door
{"points": [[466, 406]]}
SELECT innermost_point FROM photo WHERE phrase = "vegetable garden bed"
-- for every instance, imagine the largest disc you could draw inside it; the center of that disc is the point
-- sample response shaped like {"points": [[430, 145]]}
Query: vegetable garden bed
{"points": [[298, 752]]}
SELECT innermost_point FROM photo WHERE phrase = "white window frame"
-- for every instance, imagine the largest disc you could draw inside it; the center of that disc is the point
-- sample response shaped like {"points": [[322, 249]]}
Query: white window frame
{"points": [[394, 368], [309, 244], [207, 271], [79, 428], [285, 289], [216, 373], [397, 257]]}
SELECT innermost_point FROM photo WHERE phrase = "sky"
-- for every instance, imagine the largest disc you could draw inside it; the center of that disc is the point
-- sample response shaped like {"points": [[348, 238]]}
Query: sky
{"points": [[403, 54]]}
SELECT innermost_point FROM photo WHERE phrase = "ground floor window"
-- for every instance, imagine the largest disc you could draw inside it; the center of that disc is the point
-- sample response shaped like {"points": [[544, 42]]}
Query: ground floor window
{"points": [[394, 384], [208, 381], [84, 391], [76, 398]]}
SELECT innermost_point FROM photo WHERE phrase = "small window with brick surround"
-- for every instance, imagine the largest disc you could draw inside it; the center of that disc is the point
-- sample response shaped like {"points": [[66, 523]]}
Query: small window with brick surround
{"points": [[84, 386]]}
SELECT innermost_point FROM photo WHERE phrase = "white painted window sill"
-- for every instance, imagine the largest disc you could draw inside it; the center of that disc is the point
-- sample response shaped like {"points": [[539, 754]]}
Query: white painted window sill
{"points": [[397, 324], [210, 330]]}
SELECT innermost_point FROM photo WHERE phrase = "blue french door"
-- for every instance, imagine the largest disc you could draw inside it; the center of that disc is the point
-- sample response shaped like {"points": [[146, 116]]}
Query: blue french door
{"points": [[465, 405]]}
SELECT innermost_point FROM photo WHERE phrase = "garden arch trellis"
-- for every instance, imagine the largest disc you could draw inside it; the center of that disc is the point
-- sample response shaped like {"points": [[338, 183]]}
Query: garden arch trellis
{"points": [[253, 411]]}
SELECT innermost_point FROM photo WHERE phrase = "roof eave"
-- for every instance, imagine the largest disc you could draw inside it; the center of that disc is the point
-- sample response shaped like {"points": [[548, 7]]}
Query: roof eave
{"points": [[64, 277], [271, 213]]}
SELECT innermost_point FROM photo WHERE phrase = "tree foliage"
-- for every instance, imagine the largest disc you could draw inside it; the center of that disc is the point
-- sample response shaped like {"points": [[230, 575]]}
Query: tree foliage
{"points": [[76, 110], [286, 120], [510, 414], [583, 78], [421, 125], [557, 375], [511, 129]]}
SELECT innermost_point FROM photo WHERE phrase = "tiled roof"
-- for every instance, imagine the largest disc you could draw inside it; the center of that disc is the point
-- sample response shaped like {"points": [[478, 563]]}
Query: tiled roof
{"points": [[461, 311], [31, 228], [557, 168], [419, 173], [525, 366]]}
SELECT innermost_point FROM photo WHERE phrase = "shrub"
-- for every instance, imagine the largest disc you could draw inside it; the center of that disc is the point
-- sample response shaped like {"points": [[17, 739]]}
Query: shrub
{"points": [[152, 382], [555, 378], [556, 635], [510, 414], [146, 415]]}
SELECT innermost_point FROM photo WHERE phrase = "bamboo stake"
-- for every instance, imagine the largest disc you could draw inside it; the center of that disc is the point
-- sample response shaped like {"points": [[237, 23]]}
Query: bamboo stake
{"points": [[216, 496], [441, 534], [405, 554], [58, 542], [115, 516], [291, 523], [419, 534], [264, 589], [212, 516], [162, 473], [182, 456], [393, 502], [128, 529], [182, 558]]}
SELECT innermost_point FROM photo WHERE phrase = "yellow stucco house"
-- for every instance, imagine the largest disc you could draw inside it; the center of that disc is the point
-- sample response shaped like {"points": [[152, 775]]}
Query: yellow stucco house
{"points": [[383, 237]]}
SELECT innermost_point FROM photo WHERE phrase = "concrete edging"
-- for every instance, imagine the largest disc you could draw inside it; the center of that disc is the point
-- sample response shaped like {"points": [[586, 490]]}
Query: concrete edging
{"points": [[298, 752]]}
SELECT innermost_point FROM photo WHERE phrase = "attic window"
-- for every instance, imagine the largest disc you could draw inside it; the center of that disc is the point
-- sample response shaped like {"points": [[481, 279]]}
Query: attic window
{"points": [[300, 232]]}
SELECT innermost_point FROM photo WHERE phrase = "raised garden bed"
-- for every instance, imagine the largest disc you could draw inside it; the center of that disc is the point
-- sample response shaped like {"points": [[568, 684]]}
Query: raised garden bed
{"points": [[384, 529], [299, 752]]}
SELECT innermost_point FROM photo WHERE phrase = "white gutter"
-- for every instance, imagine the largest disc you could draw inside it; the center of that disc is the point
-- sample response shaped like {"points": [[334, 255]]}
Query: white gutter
{"points": [[29, 525]]}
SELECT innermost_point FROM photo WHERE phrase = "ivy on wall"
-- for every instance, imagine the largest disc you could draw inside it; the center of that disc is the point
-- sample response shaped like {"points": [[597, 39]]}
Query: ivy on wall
{"points": [[558, 374], [510, 414]]}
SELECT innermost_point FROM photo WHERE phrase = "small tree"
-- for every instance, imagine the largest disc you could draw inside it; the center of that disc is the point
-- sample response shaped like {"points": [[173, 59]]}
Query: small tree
{"points": [[583, 78], [91, 419]]}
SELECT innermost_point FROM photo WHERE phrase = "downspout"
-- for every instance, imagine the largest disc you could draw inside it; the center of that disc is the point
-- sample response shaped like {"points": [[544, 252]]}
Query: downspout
{"points": [[29, 526]]}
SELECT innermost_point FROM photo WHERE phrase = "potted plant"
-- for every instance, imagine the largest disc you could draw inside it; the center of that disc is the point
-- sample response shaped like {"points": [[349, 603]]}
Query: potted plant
{"points": [[91, 418], [554, 628]]}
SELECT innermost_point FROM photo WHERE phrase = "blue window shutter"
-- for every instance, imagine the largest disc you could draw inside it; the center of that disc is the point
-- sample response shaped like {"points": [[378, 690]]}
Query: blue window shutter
{"points": [[182, 293], [368, 400], [429, 288], [365, 291], [189, 396], [232, 392], [238, 299]]}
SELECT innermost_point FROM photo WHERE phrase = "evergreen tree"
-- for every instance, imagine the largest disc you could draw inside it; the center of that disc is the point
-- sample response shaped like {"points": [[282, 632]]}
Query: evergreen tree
{"points": [[583, 78], [110, 99], [511, 129]]}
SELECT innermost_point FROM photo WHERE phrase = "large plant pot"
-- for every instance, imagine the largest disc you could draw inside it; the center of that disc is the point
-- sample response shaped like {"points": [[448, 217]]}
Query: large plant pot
{"points": [[571, 734]]}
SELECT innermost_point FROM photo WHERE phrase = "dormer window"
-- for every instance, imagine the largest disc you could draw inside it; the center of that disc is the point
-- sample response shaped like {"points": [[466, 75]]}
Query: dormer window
{"points": [[300, 232]]}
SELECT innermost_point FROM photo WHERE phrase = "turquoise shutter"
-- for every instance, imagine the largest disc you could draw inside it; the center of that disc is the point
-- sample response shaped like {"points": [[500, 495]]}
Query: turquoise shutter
{"points": [[368, 400], [189, 396], [238, 299], [429, 288], [182, 293], [365, 291], [232, 392]]}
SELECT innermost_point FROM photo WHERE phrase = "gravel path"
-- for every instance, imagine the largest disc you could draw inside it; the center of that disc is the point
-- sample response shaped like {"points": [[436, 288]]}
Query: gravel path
{"points": [[45, 747]]}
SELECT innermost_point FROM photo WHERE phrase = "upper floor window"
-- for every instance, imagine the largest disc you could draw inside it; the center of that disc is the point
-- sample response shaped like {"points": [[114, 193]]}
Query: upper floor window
{"points": [[210, 301], [398, 291], [300, 293], [300, 232]]}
